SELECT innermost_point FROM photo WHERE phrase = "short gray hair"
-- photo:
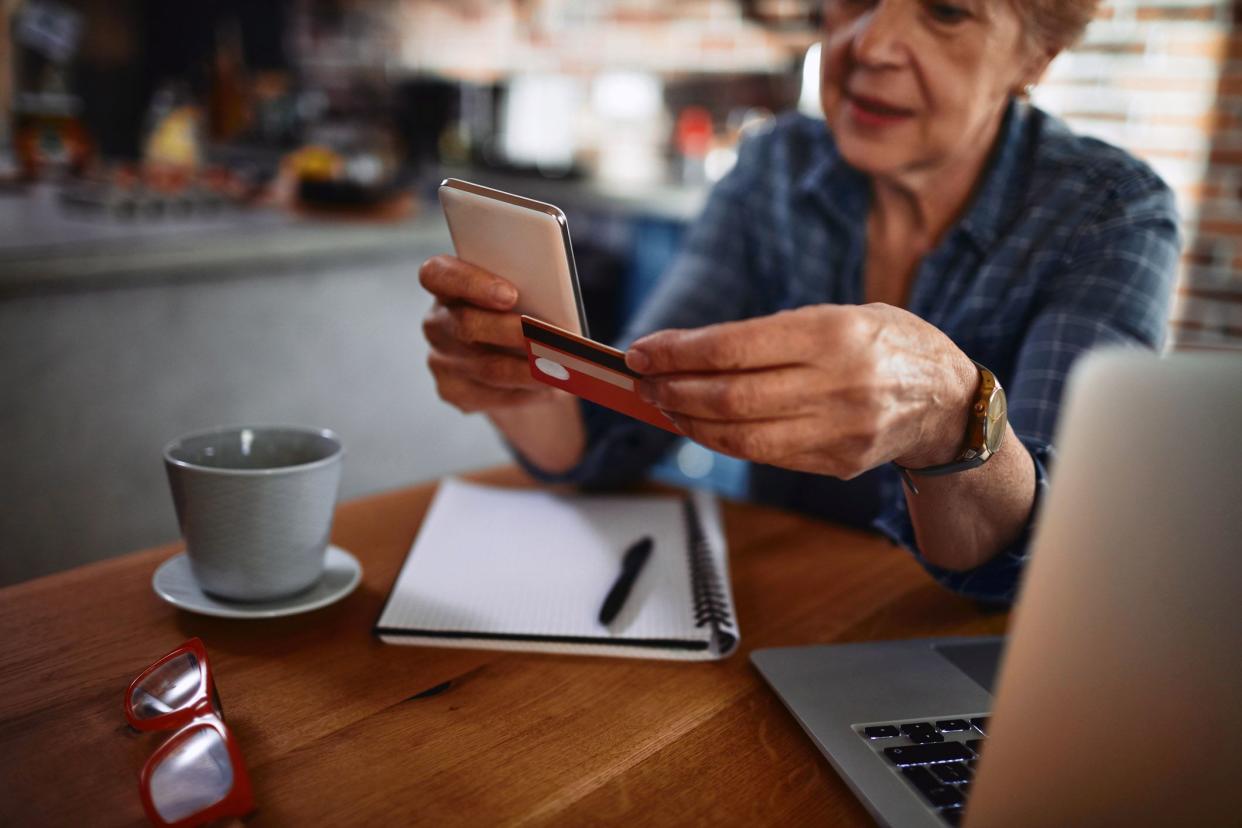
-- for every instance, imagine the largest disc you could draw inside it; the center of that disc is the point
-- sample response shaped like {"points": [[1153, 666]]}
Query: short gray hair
{"points": [[1055, 24]]}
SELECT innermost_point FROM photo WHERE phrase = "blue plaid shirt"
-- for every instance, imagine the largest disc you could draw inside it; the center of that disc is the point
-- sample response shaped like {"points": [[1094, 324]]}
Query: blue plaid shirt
{"points": [[1067, 245]]}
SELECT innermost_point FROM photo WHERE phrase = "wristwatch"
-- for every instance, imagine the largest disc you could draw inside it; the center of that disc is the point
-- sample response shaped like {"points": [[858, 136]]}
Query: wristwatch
{"points": [[985, 430]]}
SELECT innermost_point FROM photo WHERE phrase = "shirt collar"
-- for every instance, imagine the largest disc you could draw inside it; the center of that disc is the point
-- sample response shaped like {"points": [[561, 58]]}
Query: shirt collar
{"points": [[997, 194], [845, 193]]}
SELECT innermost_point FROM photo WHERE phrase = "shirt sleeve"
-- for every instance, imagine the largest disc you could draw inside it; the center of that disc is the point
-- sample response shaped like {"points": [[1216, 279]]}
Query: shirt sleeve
{"points": [[710, 281], [1113, 290]]}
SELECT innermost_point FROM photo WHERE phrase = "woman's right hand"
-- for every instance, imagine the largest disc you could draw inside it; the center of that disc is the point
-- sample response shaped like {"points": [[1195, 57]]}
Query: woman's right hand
{"points": [[478, 354]]}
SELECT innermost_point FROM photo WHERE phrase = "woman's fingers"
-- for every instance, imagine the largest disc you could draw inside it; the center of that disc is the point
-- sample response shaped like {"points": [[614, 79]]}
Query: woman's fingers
{"points": [[784, 338], [475, 360], [728, 346], [760, 441], [470, 396], [476, 326], [461, 328], [750, 395], [800, 443], [453, 280], [438, 331], [494, 369]]}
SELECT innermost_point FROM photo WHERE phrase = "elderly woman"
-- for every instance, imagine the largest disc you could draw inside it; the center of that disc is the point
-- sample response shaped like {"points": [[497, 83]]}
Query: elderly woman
{"points": [[852, 298]]}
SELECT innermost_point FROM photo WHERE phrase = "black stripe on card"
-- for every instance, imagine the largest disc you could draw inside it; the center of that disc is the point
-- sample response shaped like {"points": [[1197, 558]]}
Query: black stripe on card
{"points": [[597, 354]]}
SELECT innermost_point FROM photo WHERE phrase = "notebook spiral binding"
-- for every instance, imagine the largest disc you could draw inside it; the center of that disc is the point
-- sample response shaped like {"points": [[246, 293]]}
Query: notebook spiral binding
{"points": [[710, 606]]}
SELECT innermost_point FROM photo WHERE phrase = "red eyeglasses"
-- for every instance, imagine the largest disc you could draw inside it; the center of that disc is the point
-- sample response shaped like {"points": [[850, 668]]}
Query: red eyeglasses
{"points": [[197, 775]]}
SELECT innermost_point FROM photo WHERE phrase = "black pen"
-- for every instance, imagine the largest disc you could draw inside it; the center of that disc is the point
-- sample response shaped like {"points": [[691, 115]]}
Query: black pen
{"points": [[631, 565]]}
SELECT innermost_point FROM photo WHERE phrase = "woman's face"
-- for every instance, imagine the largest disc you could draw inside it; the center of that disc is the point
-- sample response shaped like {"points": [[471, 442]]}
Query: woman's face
{"points": [[913, 85]]}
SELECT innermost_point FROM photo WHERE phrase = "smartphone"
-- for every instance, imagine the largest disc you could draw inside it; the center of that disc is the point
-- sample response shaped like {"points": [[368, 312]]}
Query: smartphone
{"points": [[522, 240]]}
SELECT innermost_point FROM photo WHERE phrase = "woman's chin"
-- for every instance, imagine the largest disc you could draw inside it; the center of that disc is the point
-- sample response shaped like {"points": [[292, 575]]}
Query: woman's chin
{"points": [[871, 151], [872, 156]]}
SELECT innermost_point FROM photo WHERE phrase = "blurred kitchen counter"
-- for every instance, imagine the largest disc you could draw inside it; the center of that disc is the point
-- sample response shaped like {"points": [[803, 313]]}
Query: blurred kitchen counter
{"points": [[46, 246]]}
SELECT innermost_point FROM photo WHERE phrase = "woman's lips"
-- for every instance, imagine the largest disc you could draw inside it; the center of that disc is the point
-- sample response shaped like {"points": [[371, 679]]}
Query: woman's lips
{"points": [[876, 113]]}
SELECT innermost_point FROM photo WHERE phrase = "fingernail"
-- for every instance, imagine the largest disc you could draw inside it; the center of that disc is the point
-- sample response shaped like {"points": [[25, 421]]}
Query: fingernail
{"points": [[504, 294], [637, 360], [646, 390]]}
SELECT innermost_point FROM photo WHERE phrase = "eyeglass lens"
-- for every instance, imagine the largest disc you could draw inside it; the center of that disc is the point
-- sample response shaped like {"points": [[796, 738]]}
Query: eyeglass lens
{"points": [[169, 687], [195, 775]]}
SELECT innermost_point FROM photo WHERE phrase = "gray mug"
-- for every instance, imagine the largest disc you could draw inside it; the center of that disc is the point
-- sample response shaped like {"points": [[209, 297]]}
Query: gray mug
{"points": [[255, 507]]}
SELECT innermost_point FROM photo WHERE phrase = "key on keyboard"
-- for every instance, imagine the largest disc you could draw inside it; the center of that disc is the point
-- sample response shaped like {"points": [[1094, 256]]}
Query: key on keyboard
{"points": [[951, 773], [927, 754], [939, 795], [917, 728], [921, 733]]}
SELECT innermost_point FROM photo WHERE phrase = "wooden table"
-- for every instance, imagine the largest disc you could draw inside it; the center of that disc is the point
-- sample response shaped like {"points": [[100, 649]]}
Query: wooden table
{"points": [[338, 728]]}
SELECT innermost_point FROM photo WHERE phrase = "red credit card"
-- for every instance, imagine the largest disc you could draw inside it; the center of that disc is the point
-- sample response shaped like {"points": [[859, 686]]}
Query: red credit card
{"points": [[589, 370]]}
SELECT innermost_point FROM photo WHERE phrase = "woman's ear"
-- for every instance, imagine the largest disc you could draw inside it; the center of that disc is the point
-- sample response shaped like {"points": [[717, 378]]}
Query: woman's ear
{"points": [[1033, 70]]}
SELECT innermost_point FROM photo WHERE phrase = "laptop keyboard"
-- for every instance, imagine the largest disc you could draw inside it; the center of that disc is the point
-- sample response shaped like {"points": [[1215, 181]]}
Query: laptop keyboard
{"points": [[936, 757]]}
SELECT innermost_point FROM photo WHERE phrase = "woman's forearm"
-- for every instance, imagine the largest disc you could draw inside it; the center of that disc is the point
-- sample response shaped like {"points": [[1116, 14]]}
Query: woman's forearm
{"points": [[549, 433], [962, 520]]}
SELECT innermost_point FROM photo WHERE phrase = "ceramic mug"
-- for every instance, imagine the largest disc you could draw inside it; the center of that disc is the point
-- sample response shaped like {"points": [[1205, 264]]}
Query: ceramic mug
{"points": [[255, 506]]}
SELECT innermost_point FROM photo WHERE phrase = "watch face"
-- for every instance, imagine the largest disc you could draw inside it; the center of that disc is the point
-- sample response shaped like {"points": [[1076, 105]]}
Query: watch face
{"points": [[994, 429]]}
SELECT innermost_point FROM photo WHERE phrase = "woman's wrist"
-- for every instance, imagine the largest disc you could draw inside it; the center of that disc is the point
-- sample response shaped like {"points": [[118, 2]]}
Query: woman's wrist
{"points": [[549, 433], [946, 417]]}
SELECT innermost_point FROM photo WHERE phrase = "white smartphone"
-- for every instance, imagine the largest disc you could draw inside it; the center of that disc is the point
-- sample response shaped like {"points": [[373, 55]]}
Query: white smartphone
{"points": [[522, 240]]}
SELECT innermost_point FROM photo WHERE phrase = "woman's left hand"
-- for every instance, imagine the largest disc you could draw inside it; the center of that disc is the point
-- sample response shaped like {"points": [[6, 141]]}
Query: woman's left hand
{"points": [[828, 389]]}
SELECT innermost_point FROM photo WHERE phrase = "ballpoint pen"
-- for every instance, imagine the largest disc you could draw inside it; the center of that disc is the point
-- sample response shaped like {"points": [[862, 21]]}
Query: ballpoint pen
{"points": [[631, 565]]}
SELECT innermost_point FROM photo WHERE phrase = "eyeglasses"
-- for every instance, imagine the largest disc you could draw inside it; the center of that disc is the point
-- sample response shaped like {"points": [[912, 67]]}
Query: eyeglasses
{"points": [[197, 775]]}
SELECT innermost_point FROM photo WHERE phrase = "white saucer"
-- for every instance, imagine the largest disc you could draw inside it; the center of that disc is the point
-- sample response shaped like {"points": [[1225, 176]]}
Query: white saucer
{"points": [[174, 582]]}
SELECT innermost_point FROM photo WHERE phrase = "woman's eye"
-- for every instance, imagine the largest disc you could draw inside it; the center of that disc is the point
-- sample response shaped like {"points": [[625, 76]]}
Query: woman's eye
{"points": [[946, 13]]}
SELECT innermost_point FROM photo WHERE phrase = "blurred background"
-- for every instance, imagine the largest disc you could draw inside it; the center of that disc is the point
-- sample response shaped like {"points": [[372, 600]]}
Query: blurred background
{"points": [[213, 211]]}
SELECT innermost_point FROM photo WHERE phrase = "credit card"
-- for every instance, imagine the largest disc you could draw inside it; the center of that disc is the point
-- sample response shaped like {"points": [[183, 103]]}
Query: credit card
{"points": [[587, 369]]}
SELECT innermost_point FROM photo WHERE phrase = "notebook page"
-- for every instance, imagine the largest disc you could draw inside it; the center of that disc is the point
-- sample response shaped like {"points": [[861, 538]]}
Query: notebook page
{"points": [[518, 562]]}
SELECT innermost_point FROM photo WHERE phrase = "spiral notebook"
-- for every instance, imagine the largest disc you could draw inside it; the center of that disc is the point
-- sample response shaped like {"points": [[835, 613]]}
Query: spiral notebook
{"points": [[518, 569]]}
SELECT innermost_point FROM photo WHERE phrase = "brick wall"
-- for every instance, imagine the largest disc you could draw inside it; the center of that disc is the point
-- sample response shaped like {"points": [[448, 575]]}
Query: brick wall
{"points": [[1163, 78]]}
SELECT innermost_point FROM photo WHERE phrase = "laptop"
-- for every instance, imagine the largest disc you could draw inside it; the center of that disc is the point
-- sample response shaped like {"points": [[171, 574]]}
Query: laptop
{"points": [[1118, 700]]}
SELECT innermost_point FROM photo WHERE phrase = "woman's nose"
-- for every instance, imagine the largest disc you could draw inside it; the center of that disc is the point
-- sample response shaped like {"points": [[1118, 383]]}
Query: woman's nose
{"points": [[879, 35]]}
